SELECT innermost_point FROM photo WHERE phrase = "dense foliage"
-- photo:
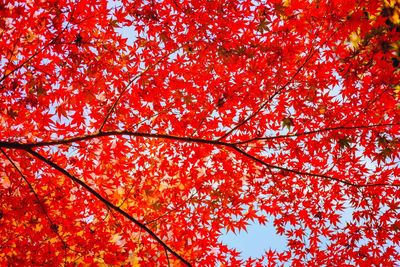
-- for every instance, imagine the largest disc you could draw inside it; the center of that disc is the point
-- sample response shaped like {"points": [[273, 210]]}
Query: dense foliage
{"points": [[138, 132]]}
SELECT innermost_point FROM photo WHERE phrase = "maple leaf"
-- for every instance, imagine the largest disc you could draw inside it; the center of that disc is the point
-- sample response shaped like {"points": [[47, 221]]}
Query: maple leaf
{"points": [[138, 132], [344, 142], [287, 122]]}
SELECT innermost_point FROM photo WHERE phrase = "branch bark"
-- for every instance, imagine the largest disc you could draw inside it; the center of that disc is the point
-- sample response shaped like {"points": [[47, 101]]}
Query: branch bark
{"points": [[107, 203], [337, 128], [42, 206], [28, 147]]}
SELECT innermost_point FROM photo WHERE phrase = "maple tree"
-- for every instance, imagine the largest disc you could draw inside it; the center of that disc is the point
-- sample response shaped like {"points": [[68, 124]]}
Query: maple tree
{"points": [[212, 115]]}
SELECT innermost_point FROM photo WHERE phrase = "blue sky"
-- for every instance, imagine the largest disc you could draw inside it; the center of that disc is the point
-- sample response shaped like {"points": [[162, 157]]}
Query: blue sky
{"points": [[255, 241]]}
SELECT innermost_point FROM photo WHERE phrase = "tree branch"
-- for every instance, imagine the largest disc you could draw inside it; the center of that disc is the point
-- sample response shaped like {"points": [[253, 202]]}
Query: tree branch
{"points": [[18, 145], [166, 255], [337, 128], [5, 76], [323, 176], [65, 141], [29, 146], [107, 203], [277, 92], [111, 109], [43, 208], [299, 69]]}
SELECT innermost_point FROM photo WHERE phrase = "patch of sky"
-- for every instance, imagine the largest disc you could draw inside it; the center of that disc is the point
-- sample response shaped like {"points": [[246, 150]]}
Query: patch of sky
{"points": [[88, 219], [335, 91], [127, 32], [255, 241]]}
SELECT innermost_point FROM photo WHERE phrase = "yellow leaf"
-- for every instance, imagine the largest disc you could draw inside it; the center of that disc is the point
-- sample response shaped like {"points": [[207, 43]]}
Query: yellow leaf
{"points": [[163, 185], [390, 3], [8, 71], [38, 227], [120, 190], [286, 3], [80, 233], [5, 182], [395, 18], [397, 89], [133, 258], [181, 186], [355, 39], [134, 261], [30, 36], [115, 238]]}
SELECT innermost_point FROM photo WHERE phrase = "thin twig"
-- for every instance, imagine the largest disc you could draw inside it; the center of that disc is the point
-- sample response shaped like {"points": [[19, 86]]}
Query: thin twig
{"points": [[128, 85], [323, 176], [28, 147], [43, 208], [166, 255], [337, 128], [5, 76], [107, 203], [266, 102]]}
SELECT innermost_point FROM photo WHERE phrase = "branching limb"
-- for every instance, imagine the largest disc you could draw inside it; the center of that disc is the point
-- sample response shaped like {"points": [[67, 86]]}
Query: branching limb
{"points": [[128, 85], [28, 147], [66, 141], [323, 176], [337, 128], [39, 51], [166, 255], [107, 203], [42, 207], [268, 101]]}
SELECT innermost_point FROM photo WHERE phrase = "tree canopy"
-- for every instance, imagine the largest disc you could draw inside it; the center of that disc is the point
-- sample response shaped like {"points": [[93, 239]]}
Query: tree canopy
{"points": [[137, 132]]}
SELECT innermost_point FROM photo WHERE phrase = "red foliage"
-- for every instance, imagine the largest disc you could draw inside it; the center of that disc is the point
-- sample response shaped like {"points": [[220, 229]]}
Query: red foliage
{"points": [[136, 132]]}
